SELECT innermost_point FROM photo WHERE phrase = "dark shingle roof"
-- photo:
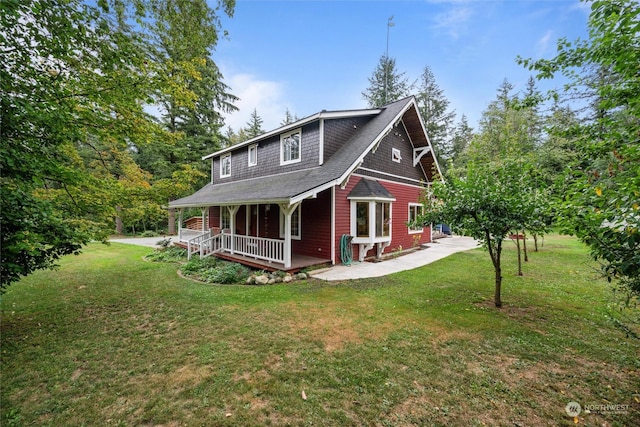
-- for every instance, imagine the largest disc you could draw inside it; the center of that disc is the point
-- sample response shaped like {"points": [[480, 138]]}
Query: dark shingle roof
{"points": [[287, 187], [369, 188]]}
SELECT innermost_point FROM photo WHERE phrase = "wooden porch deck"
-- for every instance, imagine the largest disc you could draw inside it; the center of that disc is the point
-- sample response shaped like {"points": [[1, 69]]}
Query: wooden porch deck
{"points": [[298, 262]]}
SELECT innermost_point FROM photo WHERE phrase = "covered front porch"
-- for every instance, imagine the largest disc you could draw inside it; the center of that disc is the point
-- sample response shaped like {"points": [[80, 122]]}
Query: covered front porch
{"points": [[262, 236]]}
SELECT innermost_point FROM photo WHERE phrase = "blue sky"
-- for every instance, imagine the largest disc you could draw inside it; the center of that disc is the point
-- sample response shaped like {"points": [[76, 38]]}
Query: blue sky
{"points": [[308, 55]]}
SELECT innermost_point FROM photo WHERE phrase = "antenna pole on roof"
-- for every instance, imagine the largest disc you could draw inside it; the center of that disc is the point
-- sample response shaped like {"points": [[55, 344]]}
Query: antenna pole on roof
{"points": [[390, 24]]}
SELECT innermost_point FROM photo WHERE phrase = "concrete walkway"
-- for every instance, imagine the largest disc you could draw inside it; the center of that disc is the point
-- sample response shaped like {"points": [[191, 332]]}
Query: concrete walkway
{"points": [[151, 242], [439, 249]]}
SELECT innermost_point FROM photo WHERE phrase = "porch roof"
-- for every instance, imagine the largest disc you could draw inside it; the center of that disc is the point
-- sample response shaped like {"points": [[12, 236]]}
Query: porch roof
{"points": [[296, 186], [280, 188]]}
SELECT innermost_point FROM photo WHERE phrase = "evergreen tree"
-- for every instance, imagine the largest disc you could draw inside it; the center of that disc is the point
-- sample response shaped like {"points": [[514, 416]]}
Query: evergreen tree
{"points": [[288, 118], [184, 32], [438, 121], [254, 125], [462, 136], [386, 84]]}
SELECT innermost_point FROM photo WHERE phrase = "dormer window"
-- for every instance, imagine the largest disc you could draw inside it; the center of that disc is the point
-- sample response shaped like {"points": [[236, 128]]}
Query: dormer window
{"points": [[290, 147], [225, 166], [253, 154]]}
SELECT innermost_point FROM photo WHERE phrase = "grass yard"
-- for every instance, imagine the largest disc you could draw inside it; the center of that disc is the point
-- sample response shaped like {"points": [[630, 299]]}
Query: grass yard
{"points": [[112, 340]]}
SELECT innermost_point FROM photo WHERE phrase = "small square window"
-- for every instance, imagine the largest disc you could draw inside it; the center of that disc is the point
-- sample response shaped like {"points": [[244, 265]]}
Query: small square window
{"points": [[253, 155], [225, 166], [395, 155]]}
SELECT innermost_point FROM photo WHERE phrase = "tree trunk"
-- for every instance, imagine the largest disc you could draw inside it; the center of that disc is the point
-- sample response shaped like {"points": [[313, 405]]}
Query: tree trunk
{"points": [[495, 253], [519, 256], [497, 299], [119, 225], [524, 245], [535, 243], [172, 222]]}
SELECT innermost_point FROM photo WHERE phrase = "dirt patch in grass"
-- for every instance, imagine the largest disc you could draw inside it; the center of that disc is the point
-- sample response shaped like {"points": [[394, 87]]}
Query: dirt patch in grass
{"points": [[336, 324]]}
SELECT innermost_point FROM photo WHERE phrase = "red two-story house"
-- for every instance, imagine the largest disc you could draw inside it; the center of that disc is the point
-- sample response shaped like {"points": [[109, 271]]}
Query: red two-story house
{"points": [[298, 195]]}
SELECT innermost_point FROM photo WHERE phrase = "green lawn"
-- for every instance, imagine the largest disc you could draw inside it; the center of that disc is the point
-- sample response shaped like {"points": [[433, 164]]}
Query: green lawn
{"points": [[111, 339]]}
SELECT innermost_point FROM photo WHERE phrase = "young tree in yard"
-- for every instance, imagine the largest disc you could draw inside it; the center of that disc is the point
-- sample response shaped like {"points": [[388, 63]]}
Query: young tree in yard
{"points": [[438, 120], [602, 200], [386, 84], [485, 203]]}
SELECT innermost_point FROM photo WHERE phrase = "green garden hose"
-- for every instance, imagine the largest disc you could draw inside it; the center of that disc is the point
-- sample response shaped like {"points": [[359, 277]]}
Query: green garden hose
{"points": [[346, 251]]}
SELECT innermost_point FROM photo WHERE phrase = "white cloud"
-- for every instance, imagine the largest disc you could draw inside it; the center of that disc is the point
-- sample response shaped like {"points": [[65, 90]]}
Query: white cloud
{"points": [[453, 21], [267, 97], [542, 46]]}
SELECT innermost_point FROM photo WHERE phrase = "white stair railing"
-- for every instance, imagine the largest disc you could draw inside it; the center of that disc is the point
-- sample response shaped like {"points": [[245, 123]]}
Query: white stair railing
{"points": [[195, 244]]}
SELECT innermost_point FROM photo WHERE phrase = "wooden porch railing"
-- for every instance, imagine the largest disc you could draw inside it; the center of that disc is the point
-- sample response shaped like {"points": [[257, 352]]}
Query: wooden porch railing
{"points": [[270, 250]]}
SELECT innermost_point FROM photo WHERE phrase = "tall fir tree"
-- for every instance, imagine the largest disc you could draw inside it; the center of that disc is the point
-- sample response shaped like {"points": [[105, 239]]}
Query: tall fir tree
{"points": [[254, 125], [438, 119], [386, 84], [184, 33]]}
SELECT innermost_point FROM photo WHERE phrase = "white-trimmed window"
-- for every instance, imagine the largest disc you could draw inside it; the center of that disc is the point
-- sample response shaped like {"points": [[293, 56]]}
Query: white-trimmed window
{"points": [[290, 145], [295, 224], [395, 155], [225, 166], [252, 154], [383, 219], [370, 220], [415, 210], [225, 218], [362, 219]]}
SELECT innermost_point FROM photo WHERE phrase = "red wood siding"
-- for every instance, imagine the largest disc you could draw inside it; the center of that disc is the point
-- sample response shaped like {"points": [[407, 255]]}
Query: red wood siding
{"points": [[214, 216], [400, 236], [316, 227], [343, 216], [404, 195]]}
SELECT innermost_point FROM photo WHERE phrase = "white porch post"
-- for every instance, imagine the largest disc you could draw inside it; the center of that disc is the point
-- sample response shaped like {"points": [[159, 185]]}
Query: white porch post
{"points": [[232, 225], [180, 211], [204, 216], [287, 211]]}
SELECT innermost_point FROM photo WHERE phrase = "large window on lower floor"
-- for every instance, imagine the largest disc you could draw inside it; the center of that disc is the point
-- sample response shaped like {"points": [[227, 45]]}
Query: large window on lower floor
{"points": [[362, 219], [382, 219], [372, 219]]}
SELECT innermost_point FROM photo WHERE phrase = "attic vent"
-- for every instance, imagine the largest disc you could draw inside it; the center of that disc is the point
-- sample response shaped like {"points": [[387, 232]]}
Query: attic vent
{"points": [[395, 155]]}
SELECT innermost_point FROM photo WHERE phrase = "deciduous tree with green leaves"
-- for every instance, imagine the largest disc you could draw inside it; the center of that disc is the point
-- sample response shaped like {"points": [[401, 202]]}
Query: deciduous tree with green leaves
{"points": [[602, 199], [71, 75], [484, 203]]}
